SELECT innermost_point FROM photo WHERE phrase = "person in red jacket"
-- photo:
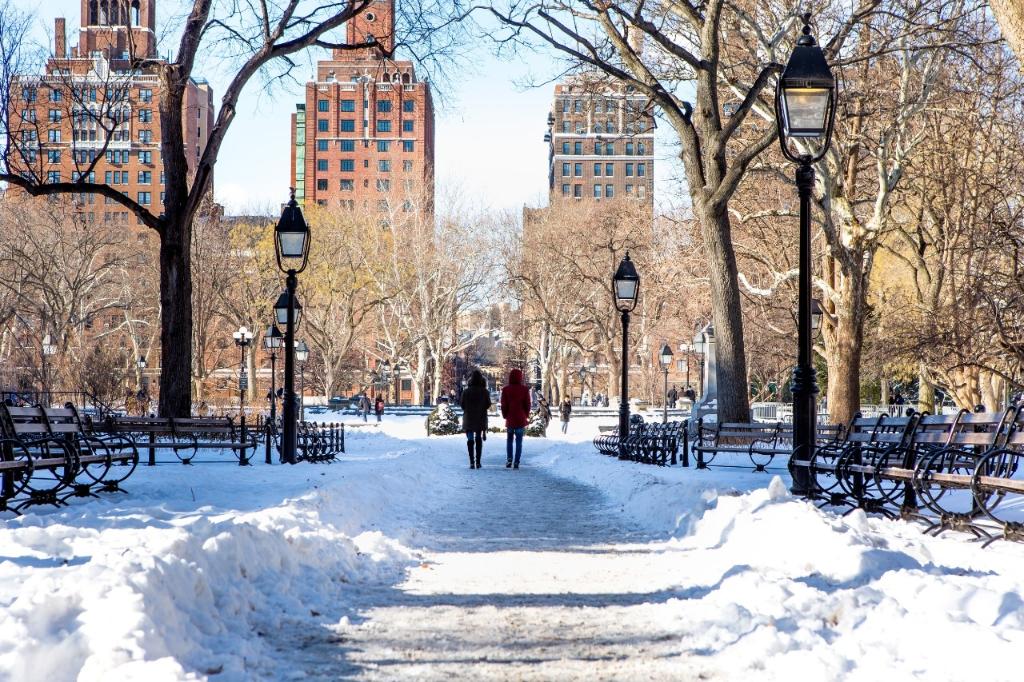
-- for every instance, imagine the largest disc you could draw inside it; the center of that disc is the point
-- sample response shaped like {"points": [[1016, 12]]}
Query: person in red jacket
{"points": [[515, 408]]}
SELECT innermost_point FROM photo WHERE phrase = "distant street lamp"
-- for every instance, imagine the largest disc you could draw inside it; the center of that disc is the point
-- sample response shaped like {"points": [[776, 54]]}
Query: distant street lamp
{"points": [[49, 349], [272, 340], [291, 245], [666, 361], [302, 355], [805, 106], [626, 291], [243, 338]]}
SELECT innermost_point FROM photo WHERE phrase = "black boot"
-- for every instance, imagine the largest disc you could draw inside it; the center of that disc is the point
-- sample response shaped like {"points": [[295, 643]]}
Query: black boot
{"points": [[469, 446], [479, 452]]}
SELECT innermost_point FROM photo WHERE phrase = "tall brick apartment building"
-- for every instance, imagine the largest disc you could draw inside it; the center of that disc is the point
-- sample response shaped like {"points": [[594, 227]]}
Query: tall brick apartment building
{"points": [[91, 110], [364, 137], [601, 138]]}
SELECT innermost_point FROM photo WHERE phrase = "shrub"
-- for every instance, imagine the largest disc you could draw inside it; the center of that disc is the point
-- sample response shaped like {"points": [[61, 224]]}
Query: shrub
{"points": [[537, 427], [443, 421]]}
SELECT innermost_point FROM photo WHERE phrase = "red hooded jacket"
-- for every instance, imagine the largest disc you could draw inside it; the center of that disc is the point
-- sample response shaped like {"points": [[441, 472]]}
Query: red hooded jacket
{"points": [[515, 401]]}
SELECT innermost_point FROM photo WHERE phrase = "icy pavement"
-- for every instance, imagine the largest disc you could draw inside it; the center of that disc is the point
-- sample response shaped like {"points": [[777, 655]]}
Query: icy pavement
{"points": [[402, 563]]}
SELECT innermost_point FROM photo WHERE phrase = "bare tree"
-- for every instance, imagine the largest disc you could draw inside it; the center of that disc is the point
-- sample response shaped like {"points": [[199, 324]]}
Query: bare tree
{"points": [[254, 39]]}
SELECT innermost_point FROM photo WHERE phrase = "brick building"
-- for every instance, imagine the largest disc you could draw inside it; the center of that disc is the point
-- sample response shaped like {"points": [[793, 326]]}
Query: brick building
{"points": [[364, 137], [601, 137], [91, 116]]}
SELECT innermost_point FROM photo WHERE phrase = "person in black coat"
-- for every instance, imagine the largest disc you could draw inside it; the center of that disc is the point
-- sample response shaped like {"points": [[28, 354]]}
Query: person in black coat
{"points": [[476, 403]]}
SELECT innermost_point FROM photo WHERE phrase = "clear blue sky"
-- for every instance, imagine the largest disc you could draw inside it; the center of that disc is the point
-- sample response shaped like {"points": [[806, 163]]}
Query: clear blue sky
{"points": [[489, 127]]}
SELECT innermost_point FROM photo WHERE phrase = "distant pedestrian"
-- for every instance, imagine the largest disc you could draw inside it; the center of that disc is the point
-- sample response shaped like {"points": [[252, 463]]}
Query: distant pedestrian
{"points": [[515, 408], [378, 408], [564, 411], [690, 394], [476, 403], [364, 406], [585, 400], [672, 396]]}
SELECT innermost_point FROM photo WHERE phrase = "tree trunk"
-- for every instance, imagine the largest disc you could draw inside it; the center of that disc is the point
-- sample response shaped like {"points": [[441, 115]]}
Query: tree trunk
{"points": [[1010, 15], [883, 390], [176, 320], [843, 348], [925, 392], [733, 398]]}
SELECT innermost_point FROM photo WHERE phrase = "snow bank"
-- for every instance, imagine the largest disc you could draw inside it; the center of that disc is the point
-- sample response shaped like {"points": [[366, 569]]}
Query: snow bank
{"points": [[170, 581]]}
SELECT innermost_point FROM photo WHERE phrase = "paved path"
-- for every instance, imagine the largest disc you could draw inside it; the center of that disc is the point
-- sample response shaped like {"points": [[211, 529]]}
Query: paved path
{"points": [[526, 577]]}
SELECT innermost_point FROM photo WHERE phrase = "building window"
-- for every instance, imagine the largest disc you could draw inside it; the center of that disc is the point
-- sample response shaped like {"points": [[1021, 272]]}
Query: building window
{"points": [[384, 106], [322, 125], [409, 106], [321, 165], [29, 94], [145, 177], [347, 145], [565, 190], [408, 145], [145, 136], [565, 148], [609, 149], [53, 156], [56, 95], [348, 166], [407, 166], [629, 190], [383, 145], [597, 191], [108, 178], [348, 185], [408, 126], [348, 125], [565, 126], [54, 116], [597, 149], [629, 170], [641, 191], [641, 169], [145, 198], [383, 185], [577, 148], [321, 145], [609, 170], [609, 191], [577, 106], [640, 150], [323, 105], [145, 157], [597, 170], [577, 191], [347, 105], [53, 135], [565, 169], [629, 149], [578, 170], [321, 184], [145, 115], [384, 166], [383, 126]]}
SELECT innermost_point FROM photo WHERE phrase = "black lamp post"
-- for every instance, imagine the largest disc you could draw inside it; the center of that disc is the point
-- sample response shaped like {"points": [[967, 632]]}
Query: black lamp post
{"points": [[302, 355], [805, 106], [141, 364], [243, 337], [666, 361], [272, 341], [626, 290], [291, 244]]}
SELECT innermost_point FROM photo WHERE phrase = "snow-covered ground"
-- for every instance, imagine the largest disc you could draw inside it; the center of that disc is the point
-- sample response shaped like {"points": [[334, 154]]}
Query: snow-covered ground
{"points": [[399, 562]]}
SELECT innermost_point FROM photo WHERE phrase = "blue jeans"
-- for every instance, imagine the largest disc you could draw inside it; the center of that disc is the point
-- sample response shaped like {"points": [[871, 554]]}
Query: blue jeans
{"points": [[517, 435]]}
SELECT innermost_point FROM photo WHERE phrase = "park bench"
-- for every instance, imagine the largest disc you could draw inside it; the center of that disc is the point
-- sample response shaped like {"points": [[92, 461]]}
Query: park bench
{"points": [[184, 436], [653, 443], [49, 455], [960, 468], [760, 442]]}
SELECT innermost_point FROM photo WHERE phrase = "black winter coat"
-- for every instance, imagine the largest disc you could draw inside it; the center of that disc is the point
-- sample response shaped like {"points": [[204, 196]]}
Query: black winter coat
{"points": [[476, 401]]}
